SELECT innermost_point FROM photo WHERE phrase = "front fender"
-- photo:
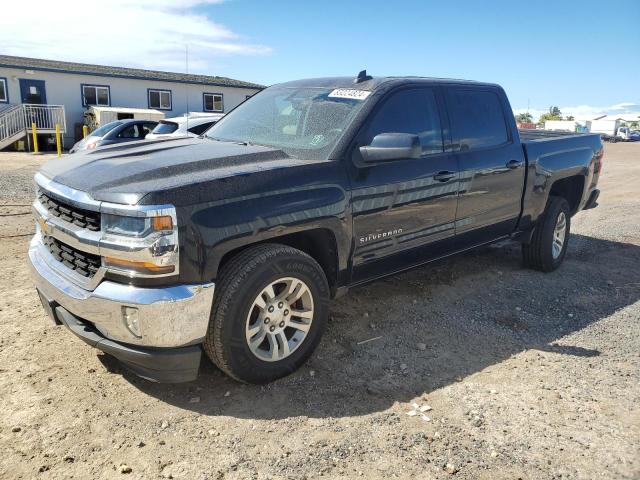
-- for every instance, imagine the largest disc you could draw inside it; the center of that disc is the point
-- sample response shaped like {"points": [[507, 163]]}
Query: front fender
{"points": [[216, 228]]}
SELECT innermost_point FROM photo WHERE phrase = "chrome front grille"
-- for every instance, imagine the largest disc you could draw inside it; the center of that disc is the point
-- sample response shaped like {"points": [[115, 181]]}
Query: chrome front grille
{"points": [[69, 230], [85, 264], [70, 213]]}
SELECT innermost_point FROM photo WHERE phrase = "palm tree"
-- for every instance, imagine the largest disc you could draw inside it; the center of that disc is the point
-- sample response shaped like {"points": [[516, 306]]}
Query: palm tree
{"points": [[525, 117], [555, 112]]}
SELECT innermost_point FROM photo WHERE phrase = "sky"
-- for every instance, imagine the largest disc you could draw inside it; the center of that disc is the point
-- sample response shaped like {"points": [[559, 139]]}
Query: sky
{"points": [[583, 56]]}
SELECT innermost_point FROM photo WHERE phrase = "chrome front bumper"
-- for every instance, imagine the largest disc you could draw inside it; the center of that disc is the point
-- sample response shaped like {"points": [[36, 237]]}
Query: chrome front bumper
{"points": [[171, 316]]}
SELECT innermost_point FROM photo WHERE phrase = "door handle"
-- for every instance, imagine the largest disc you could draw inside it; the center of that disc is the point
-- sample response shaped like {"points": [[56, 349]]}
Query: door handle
{"points": [[513, 164], [444, 176]]}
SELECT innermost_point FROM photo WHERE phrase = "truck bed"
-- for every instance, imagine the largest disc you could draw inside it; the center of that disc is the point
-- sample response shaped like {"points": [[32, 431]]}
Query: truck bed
{"points": [[552, 156], [527, 134]]}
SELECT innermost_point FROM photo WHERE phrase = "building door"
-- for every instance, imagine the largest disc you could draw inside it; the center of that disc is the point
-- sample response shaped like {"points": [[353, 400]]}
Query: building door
{"points": [[32, 91]]}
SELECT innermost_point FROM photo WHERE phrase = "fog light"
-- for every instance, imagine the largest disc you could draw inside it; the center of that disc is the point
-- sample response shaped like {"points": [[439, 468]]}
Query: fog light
{"points": [[130, 319]]}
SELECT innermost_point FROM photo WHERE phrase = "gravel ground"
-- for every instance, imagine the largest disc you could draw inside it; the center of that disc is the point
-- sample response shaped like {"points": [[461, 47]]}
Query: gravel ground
{"points": [[509, 373]]}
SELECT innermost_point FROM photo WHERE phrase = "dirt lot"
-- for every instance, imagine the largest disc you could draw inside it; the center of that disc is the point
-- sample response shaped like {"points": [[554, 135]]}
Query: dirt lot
{"points": [[527, 375]]}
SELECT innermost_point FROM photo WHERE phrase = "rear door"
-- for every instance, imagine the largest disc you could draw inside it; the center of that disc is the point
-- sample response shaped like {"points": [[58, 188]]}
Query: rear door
{"points": [[404, 210], [491, 163]]}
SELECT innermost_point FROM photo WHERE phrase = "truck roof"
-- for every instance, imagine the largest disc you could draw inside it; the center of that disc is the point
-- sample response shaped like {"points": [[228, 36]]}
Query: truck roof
{"points": [[372, 83]]}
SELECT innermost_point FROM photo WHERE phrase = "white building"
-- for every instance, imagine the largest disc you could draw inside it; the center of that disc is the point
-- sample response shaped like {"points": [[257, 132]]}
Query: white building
{"points": [[27, 81]]}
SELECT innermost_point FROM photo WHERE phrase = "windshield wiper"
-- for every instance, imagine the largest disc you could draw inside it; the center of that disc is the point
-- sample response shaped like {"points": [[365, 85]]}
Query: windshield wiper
{"points": [[238, 142]]}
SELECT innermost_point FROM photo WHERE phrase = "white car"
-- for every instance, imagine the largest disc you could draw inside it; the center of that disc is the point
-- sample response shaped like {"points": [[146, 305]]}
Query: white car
{"points": [[187, 126]]}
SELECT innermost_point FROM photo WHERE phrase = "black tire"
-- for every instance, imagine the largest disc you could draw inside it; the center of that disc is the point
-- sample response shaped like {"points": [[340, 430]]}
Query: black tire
{"points": [[239, 283], [539, 253]]}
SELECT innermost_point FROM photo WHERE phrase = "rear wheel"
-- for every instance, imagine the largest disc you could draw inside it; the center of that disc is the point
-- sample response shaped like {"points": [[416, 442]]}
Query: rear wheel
{"points": [[270, 309], [548, 246]]}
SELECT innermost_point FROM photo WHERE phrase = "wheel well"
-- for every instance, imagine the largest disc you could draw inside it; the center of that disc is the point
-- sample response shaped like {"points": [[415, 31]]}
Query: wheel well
{"points": [[319, 243], [570, 189]]}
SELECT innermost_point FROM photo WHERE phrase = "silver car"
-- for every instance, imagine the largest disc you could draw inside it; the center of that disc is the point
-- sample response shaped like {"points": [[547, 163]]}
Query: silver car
{"points": [[191, 126], [111, 133]]}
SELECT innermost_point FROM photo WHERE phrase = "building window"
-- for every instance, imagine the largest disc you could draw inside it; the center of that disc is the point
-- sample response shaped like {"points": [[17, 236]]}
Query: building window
{"points": [[212, 102], [99, 95], [159, 99], [4, 92]]}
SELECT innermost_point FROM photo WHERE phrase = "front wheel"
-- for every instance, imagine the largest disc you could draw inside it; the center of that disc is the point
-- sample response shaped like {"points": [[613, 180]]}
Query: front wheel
{"points": [[270, 309], [548, 246]]}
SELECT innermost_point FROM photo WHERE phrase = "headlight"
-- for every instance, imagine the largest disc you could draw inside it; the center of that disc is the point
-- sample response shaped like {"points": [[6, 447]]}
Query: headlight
{"points": [[144, 244], [136, 226]]}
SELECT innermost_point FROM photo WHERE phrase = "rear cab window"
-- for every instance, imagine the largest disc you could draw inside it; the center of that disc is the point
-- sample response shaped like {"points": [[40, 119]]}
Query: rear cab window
{"points": [[413, 111], [477, 118]]}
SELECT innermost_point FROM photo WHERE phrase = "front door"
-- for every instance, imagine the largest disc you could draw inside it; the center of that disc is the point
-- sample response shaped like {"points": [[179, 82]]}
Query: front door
{"points": [[33, 91], [404, 210]]}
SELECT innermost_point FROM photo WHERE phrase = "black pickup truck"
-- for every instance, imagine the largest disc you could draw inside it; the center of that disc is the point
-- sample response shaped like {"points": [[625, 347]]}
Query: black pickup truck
{"points": [[303, 191]]}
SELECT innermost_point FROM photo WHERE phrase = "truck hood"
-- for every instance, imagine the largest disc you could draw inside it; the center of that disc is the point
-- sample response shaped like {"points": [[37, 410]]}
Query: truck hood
{"points": [[126, 173]]}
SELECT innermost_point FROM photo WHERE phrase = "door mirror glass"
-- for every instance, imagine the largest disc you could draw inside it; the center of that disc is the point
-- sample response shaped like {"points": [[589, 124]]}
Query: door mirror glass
{"points": [[386, 147]]}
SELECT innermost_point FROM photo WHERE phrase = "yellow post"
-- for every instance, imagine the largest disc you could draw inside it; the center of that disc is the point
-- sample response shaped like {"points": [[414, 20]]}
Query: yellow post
{"points": [[58, 143], [85, 131], [35, 138]]}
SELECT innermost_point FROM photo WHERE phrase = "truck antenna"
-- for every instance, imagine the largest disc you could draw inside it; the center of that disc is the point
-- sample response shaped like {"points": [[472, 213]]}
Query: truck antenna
{"points": [[186, 87], [362, 77]]}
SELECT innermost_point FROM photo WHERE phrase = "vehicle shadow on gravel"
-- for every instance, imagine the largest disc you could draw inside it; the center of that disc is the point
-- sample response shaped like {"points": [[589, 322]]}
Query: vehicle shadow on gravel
{"points": [[427, 329]]}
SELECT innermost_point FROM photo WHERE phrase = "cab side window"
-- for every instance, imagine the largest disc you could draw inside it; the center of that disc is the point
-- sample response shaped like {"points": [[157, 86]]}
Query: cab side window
{"points": [[132, 131], [147, 128], [412, 111], [477, 119]]}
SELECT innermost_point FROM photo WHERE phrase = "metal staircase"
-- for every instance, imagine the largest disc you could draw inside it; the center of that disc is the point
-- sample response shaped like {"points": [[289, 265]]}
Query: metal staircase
{"points": [[16, 121]]}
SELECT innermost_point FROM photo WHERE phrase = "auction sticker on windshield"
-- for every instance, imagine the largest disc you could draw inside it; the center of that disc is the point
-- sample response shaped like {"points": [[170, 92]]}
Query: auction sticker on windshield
{"points": [[349, 93]]}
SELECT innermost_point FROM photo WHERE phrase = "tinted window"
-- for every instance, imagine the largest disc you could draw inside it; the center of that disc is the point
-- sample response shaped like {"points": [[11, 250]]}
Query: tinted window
{"points": [[477, 119], [132, 131], [103, 130], [200, 129], [147, 128], [410, 111], [165, 128]]}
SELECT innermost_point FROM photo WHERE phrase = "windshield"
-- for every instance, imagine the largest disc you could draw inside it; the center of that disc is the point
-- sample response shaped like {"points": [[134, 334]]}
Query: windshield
{"points": [[305, 123], [103, 130]]}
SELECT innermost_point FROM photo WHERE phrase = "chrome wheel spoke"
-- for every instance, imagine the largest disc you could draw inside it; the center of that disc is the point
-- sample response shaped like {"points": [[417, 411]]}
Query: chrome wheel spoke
{"points": [[273, 347], [252, 331], [284, 344], [302, 313], [260, 303], [291, 287], [303, 327], [269, 292], [256, 341], [299, 291]]}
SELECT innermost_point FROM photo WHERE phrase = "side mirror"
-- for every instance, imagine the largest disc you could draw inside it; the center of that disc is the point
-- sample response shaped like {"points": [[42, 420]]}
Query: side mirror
{"points": [[387, 147]]}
